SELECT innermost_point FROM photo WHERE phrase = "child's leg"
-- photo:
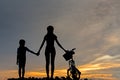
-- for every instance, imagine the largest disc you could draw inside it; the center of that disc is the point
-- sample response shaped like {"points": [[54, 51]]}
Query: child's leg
{"points": [[19, 72], [23, 72]]}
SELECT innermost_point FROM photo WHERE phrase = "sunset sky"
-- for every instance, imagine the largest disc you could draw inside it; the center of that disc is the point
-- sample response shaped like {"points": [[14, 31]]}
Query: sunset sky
{"points": [[90, 26]]}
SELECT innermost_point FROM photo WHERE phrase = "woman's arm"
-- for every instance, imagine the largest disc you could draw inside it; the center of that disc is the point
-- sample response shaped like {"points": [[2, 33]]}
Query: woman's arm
{"points": [[41, 46], [59, 44]]}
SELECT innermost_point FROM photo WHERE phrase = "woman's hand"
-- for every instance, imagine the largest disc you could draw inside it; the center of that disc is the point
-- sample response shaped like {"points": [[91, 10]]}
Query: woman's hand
{"points": [[38, 53]]}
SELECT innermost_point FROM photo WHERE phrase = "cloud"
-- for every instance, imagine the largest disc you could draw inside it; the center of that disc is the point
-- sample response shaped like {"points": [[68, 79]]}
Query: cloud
{"points": [[107, 58], [91, 26], [105, 65]]}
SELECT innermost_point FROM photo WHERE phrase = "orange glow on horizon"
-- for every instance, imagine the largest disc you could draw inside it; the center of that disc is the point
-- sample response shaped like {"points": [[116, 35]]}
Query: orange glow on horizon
{"points": [[60, 73], [100, 66], [88, 71]]}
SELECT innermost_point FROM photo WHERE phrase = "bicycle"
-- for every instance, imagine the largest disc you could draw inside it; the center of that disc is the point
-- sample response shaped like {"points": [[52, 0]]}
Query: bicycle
{"points": [[72, 72]]}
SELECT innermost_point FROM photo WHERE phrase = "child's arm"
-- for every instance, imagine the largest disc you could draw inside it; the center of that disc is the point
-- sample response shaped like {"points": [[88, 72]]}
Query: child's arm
{"points": [[31, 51], [17, 58]]}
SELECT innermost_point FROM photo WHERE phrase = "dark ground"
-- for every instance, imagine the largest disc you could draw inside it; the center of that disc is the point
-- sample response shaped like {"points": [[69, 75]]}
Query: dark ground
{"points": [[56, 78]]}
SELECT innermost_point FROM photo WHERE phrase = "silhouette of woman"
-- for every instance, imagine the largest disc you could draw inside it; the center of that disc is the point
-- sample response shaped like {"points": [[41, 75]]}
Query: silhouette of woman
{"points": [[50, 51]]}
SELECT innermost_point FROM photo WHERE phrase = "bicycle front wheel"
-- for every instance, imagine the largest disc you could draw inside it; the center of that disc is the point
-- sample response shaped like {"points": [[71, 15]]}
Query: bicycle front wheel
{"points": [[74, 75]]}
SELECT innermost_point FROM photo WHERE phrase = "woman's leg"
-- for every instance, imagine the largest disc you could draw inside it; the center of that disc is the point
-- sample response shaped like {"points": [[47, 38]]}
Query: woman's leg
{"points": [[47, 57], [53, 53]]}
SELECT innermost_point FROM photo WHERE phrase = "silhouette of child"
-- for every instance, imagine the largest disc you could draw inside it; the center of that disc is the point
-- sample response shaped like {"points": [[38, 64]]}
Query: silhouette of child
{"points": [[21, 57], [50, 51]]}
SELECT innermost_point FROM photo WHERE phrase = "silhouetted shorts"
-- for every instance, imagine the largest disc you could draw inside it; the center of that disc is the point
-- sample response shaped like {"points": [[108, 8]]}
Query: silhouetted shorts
{"points": [[22, 63]]}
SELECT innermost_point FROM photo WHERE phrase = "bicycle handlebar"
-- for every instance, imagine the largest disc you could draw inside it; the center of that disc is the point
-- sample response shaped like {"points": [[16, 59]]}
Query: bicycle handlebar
{"points": [[73, 49]]}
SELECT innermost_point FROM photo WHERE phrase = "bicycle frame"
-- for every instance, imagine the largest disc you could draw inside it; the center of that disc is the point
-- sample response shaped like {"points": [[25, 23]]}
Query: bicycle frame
{"points": [[72, 72]]}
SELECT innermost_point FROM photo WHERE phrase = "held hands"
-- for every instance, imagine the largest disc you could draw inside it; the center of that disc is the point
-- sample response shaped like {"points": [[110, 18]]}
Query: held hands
{"points": [[65, 50], [38, 53], [17, 63]]}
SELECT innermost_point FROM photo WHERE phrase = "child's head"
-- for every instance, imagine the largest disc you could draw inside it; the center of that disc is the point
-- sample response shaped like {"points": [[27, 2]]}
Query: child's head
{"points": [[22, 42], [50, 29]]}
